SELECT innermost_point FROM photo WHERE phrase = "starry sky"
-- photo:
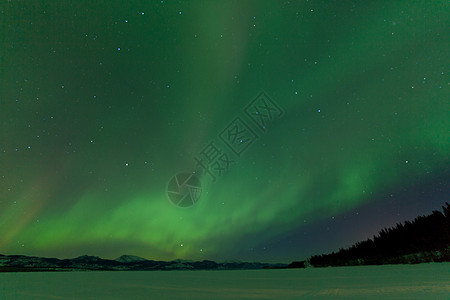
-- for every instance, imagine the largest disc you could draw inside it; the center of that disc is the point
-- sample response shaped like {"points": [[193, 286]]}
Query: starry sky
{"points": [[103, 102]]}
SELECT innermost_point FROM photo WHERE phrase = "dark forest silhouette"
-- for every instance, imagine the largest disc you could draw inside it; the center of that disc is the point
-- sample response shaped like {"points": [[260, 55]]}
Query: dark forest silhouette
{"points": [[425, 239]]}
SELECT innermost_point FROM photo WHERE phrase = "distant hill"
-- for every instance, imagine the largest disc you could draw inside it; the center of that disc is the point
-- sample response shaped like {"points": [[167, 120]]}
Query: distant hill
{"points": [[129, 259], [425, 239], [21, 263]]}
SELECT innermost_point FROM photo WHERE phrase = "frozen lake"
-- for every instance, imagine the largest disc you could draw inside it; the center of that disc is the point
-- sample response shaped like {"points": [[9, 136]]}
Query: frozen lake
{"points": [[424, 281]]}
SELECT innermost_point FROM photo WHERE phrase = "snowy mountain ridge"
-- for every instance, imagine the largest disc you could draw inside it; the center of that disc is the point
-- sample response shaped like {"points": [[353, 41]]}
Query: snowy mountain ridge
{"points": [[123, 263]]}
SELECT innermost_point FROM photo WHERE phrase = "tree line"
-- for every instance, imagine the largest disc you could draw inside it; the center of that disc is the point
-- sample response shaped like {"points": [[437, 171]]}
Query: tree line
{"points": [[425, 239]]}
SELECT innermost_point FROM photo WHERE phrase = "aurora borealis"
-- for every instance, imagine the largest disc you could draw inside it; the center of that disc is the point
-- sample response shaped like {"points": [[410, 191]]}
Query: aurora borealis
{"points": [[102, 103]]}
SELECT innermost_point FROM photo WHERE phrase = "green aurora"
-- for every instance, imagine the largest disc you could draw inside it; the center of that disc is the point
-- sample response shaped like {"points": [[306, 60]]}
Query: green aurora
{"points": [[101, 104]]}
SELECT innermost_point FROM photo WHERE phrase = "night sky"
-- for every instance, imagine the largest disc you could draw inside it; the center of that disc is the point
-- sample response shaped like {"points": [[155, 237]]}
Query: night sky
{"points": [[103, 102]]}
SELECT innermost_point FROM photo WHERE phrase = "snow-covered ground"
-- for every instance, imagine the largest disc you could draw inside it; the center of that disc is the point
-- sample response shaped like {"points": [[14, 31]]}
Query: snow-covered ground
{"points": [[424, 281]]}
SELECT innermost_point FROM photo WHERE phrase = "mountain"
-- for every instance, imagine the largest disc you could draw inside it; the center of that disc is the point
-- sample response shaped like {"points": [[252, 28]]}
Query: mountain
{"points": [[129, 259], [22, 263]]}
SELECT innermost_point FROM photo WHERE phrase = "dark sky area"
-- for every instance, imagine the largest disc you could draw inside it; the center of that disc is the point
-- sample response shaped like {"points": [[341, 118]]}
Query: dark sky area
{"points": [[305, 126]]}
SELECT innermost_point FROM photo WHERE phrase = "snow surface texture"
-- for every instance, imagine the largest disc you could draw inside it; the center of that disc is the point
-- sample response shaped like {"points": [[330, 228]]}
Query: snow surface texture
{"points": [[424, 281]]}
